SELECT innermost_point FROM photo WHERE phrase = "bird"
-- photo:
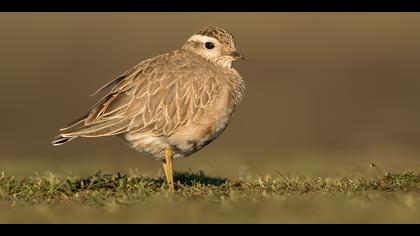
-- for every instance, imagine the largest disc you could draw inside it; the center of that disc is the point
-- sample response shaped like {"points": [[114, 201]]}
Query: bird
{"points": [[171, 105]]}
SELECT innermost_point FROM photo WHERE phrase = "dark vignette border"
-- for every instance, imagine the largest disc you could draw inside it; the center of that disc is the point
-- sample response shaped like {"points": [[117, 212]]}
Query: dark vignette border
{"points": [[209, 6]]}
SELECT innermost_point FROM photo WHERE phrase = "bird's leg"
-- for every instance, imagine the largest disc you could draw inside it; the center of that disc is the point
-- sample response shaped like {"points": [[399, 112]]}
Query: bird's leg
{"points": [[167, 167]]}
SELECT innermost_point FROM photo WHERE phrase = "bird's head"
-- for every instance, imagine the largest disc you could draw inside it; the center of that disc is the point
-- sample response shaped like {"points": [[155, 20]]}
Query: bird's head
{"points": [[215, 45]]}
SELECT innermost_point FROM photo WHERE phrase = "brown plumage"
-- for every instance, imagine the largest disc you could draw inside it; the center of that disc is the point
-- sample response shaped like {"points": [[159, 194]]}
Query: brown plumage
{"points": [[178, 101]]}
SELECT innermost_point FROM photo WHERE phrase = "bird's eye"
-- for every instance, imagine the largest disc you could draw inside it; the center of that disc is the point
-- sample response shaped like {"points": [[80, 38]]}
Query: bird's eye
{"points": [[209, 45]]}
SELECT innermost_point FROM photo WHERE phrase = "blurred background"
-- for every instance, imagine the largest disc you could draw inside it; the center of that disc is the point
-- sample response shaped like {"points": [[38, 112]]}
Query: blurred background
{"points": [[327, 93]]}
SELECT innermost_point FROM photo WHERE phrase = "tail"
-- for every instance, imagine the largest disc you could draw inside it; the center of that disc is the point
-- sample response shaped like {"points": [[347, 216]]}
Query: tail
{"points": [[79, 128], [63, 138], [60, 140]]}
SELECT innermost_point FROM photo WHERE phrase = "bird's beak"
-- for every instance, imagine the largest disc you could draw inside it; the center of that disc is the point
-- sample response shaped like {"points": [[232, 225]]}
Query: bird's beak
{"points": [[238, 56]]}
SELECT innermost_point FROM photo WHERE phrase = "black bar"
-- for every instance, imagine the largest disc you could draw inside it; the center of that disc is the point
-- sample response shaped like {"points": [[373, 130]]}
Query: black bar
{"points": [[208, 6]]}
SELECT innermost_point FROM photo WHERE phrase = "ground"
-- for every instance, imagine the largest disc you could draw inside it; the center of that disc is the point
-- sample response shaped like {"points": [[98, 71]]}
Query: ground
{"points": [[200, 198]]}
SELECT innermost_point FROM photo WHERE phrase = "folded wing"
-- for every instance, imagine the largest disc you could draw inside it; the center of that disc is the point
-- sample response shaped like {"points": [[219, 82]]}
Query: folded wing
{"points": [[157, 96]]}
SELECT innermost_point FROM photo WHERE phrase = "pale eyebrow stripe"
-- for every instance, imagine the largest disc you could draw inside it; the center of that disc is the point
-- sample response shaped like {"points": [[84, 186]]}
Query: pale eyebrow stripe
{"points": [[202, 38]]}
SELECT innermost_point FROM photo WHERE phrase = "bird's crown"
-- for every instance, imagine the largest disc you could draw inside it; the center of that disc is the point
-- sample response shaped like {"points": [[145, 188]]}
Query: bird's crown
{"points": [[222, 35]]}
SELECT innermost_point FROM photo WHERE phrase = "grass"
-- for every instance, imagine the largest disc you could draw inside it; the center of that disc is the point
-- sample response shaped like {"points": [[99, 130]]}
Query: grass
{"points": [[112, 198], [50, 188]]}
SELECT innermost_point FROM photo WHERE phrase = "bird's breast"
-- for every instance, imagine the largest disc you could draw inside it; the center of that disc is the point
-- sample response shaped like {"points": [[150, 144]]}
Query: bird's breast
{"points": [[207, 127]]}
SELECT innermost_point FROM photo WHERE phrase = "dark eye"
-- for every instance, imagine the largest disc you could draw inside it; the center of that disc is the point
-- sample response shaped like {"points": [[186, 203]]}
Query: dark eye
{"points": [[209, 45]]}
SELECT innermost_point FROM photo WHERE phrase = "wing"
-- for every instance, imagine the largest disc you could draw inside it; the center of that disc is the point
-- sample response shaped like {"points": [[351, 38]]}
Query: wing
{"points": [[158, 97]]}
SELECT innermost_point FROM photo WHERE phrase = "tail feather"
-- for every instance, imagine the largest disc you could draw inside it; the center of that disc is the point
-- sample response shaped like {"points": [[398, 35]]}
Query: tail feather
{"points": [[84, 127], [75, 123], [60, 140], [106, 128]]}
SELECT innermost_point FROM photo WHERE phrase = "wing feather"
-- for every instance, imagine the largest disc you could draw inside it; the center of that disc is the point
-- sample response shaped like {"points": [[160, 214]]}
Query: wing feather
{"points": [[154, 96]]}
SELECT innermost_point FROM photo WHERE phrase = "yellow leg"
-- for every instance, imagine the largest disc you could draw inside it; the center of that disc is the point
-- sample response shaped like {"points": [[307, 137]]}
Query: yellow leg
{"points": [[167, 167]]}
